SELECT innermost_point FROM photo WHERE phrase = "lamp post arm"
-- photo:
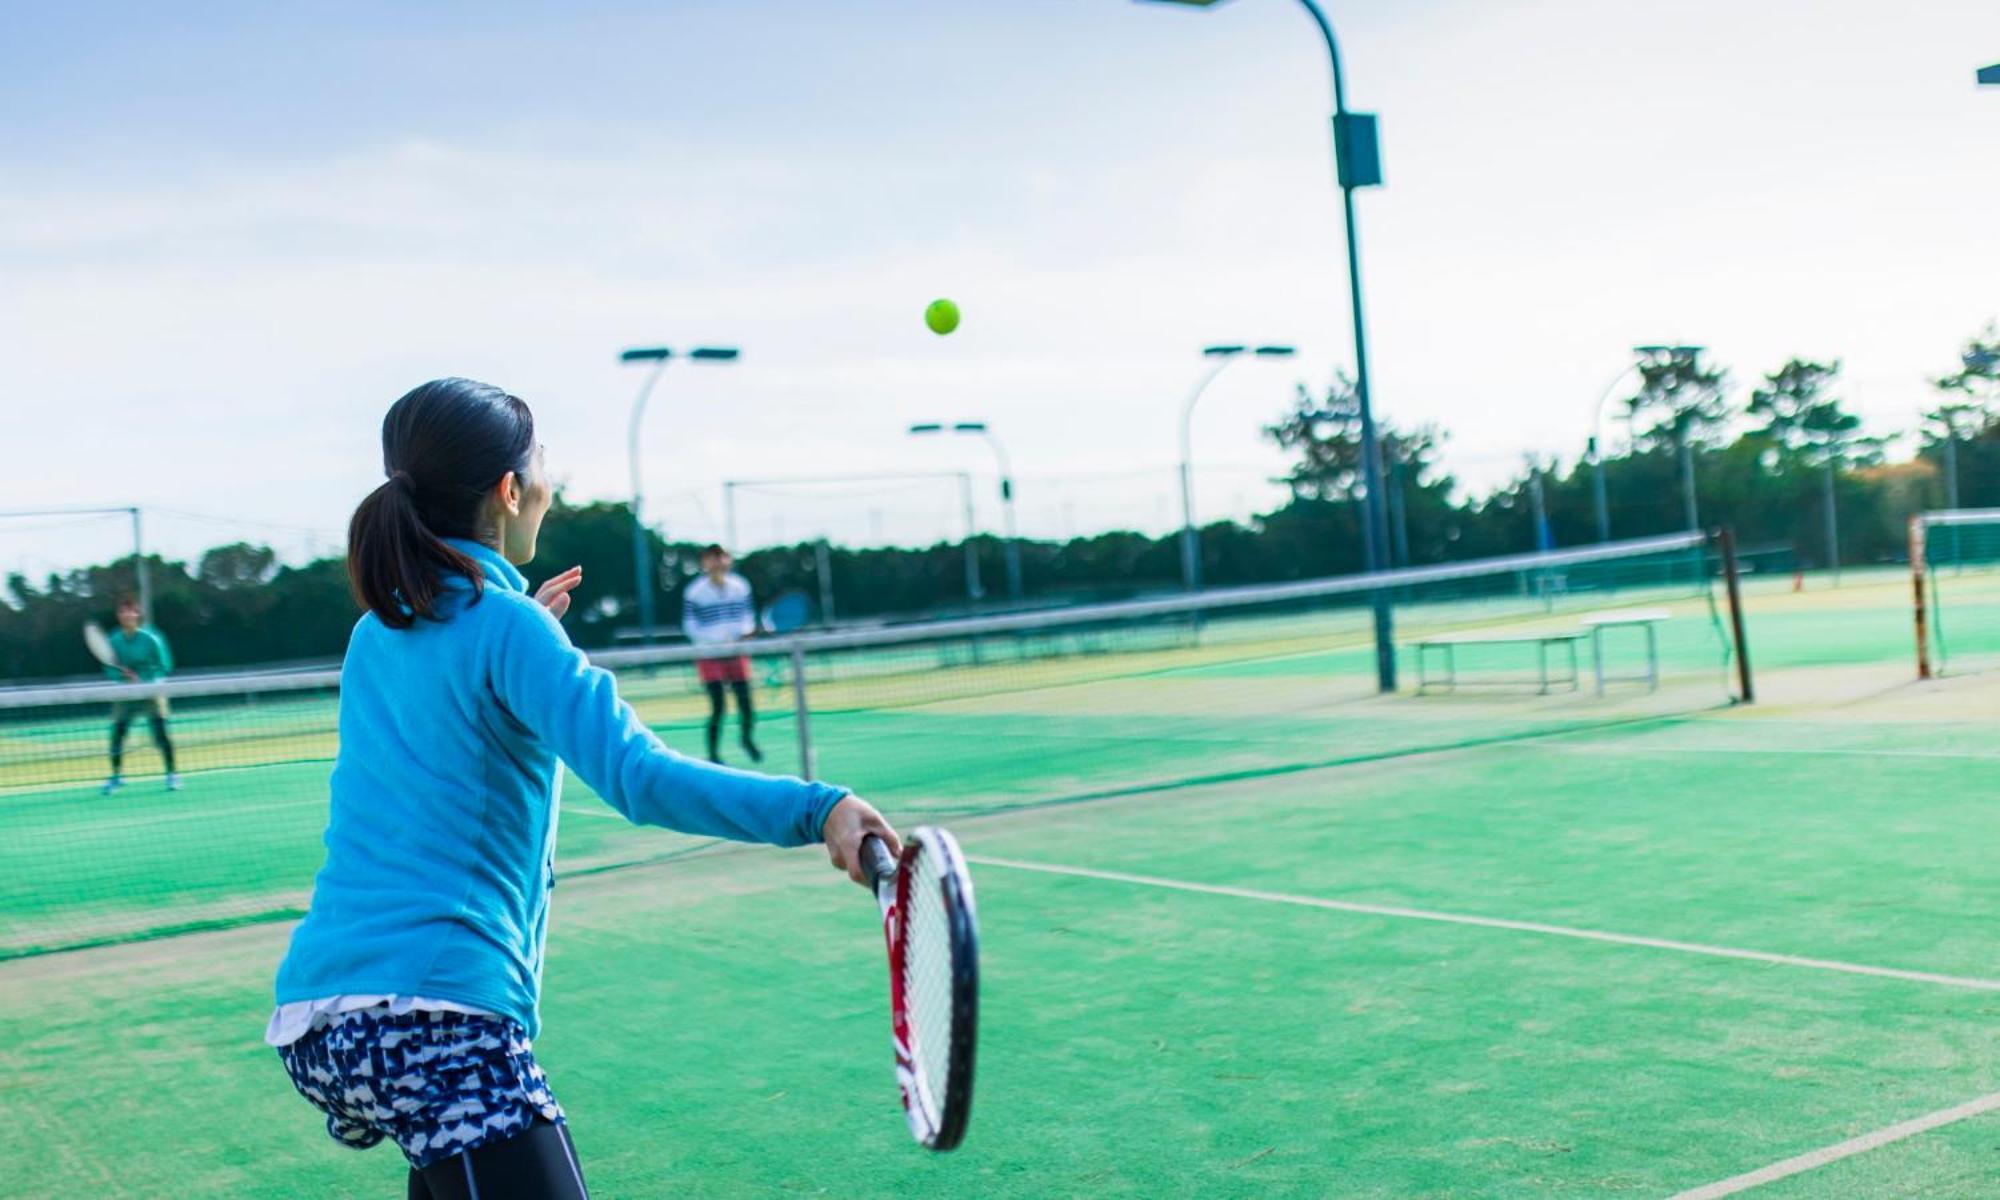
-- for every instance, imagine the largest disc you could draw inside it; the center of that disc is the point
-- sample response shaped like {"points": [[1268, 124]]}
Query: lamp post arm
{"points": [[632, 433], [1332, 54], [1187, 409], [1597, 414], [642, 566], [1000, 458]]}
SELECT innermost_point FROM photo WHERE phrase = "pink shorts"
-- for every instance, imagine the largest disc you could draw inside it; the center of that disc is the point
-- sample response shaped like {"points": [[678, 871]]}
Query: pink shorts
{"points": [[722, 670]]}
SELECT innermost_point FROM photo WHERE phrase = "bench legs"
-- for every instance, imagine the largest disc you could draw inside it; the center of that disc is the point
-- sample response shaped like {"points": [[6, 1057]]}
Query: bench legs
{"points": [[1545, 682], [1450, 680], [1652, 676]]}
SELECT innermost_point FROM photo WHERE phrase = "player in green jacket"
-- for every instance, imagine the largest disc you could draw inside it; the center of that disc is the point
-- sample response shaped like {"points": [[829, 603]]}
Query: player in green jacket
{"points": [[141, 656]]}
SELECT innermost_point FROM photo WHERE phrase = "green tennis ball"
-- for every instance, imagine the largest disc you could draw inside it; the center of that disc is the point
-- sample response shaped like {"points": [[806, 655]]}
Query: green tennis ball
{"points": [[941, 316]]}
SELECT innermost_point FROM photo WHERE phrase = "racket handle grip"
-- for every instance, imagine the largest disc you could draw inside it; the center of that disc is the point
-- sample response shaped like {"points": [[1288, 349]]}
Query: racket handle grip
{"points": [[876, 861]]}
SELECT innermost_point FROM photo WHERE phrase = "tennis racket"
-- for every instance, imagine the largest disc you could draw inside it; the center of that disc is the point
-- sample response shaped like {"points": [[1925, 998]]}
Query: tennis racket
{"points": [[98, 645], [789, 611], [932, 929]]}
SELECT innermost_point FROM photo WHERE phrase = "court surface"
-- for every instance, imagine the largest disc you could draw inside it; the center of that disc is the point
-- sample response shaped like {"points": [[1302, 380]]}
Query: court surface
{"points": [[1644, 957]]}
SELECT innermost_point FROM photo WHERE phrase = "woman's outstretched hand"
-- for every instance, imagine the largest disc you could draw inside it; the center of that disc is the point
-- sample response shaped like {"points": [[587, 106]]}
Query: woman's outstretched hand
{"points": [[554, 594], [852, 820]]}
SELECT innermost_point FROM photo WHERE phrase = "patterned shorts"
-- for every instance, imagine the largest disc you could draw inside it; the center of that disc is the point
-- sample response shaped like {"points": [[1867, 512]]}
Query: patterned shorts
{"points": [[435, 1083]]}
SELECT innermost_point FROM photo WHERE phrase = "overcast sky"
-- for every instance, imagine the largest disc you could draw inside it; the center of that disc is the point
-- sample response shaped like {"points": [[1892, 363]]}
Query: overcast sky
{"points": [[230, 235]]}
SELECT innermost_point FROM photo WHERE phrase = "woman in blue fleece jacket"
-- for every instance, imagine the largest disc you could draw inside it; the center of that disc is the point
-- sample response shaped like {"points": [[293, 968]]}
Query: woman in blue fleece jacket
{"points": [[408, 998]]}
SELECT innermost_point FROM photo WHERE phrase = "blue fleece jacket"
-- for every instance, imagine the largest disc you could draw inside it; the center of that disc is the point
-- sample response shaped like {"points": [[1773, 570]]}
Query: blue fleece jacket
{"points": [[441, 838]]}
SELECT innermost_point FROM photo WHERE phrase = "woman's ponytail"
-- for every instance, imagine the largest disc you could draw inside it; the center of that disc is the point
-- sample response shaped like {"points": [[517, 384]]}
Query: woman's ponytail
{"points": [[445, 446]]}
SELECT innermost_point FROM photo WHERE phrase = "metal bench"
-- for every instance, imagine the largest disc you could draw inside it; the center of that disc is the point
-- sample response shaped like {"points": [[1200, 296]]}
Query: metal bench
{"points": [[1449, 643], [1645, 619]]}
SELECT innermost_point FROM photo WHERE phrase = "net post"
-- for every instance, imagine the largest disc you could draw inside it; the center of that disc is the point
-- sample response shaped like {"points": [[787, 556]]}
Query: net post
{"points": [[1919, 557], [142, 579], [1385, 642], [1725, 541], [800, 713]]}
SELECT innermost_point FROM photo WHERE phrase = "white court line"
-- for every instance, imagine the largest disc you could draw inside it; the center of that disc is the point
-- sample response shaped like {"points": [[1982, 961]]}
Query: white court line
{"points": [[1418, 914], [1630, 748], [144, 820], [1847, 1149]]}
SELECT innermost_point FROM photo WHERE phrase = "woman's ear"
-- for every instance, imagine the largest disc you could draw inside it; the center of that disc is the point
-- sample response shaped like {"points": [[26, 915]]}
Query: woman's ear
{"points": [[508, 493]]}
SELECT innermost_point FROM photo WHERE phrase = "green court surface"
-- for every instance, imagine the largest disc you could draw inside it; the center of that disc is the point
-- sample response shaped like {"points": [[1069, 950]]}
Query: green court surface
{"points": [[929, 731], [1449, 946]]}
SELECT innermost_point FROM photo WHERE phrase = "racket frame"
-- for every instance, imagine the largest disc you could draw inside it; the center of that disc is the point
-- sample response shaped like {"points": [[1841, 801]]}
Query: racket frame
{"points": [[98, 643], [936, 1122]]}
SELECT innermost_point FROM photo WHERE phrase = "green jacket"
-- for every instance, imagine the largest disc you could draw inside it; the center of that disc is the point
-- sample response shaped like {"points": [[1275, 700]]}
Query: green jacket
{"points": [[144, 651]]}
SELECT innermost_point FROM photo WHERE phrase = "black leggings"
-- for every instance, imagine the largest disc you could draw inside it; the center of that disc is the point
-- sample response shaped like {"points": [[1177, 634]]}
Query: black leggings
{"points": [[538, 1164], [160, 739], [745, 712]]}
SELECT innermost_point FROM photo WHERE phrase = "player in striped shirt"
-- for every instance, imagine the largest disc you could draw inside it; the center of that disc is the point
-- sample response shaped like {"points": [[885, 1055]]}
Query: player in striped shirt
{"points": [[717, 608]]}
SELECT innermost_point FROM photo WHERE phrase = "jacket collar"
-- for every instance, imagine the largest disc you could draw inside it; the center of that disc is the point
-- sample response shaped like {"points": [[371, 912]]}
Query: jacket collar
{"points": [[498, 571]]}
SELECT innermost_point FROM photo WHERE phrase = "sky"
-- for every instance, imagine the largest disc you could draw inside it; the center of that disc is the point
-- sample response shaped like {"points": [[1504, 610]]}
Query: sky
{"points": [[232, 234]]}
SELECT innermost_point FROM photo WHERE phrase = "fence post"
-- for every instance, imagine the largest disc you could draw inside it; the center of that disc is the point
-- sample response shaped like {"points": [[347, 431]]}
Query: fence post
{"points": [[1726, 542], [801, 713], [1919, 560]]}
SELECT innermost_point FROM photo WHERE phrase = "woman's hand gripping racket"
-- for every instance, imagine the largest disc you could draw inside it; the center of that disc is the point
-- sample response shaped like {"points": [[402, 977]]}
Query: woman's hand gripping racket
{"points": [[933, 934]]}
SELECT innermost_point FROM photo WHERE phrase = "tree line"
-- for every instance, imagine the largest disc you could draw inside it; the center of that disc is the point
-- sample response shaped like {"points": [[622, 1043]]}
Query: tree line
{"points": [[1772, 466]]}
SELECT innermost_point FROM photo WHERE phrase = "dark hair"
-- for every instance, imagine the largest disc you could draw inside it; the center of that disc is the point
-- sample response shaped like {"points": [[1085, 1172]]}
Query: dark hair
{"points": [[712, 548], [127, 600], [444, 447]]}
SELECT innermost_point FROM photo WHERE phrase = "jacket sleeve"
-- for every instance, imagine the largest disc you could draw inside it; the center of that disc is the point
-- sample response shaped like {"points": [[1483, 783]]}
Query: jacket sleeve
{"points": [[549, 686], [165, 655]]}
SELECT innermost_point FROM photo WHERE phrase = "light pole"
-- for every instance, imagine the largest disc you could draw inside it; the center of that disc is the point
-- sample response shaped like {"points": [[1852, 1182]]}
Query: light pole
{"points": [[1545, 539], [1597, 452], [1358, 164], [140, 575], [642, 565], [1190, 539], [1597, 430], [1013, 544]]}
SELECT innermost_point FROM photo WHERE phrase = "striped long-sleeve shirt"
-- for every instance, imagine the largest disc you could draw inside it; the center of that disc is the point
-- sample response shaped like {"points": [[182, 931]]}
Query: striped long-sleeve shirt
{"points": [[712, 612]]}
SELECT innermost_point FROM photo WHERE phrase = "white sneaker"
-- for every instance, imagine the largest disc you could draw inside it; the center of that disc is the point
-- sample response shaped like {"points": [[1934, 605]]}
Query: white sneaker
{"points": [[111, 785], [173, 782]]}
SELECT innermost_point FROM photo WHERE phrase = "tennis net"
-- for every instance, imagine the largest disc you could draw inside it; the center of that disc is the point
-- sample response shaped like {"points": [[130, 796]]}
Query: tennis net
{"points": [[939, 719], [1955, 555]]}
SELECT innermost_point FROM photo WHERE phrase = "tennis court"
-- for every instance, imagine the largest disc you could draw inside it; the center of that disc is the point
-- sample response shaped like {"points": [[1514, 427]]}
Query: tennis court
{"points": [[1248, 930]]}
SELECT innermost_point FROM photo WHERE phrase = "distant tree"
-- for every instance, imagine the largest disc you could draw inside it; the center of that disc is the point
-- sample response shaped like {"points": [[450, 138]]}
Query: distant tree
{"points": [[1962, 432], [1805, 430], [1323, 432], [1679, 403], [237, 565], [1801, 422], [1978, 376]]}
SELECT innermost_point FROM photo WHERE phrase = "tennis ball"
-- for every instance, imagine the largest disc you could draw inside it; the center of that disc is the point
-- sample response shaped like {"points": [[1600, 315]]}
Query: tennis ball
{"points": [[941, 316]]}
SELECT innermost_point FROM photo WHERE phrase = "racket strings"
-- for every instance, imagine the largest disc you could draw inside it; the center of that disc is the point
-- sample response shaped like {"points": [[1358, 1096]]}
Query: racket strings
{"points": [[929, 978]]}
